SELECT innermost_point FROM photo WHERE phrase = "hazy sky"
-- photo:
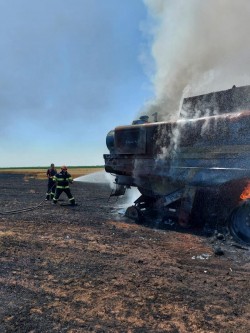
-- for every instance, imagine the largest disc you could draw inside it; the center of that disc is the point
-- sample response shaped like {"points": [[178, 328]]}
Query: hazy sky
{"points": [[70, 71]]}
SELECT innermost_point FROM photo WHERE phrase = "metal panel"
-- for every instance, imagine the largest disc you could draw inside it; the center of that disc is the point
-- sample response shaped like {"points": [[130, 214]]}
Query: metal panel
{"points": [[130, 140]]}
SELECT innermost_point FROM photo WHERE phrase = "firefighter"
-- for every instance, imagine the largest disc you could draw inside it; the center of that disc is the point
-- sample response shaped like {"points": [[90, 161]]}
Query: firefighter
{"points": [[51, 172], [63, 179]]}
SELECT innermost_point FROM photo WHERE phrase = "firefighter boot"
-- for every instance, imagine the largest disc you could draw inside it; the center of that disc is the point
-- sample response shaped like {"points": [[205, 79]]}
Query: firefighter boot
{"points": [[72, 202]]}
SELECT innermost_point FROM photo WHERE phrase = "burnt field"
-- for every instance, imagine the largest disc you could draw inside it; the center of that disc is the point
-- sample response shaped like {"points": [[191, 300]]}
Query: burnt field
{"points": [[90, 269]]}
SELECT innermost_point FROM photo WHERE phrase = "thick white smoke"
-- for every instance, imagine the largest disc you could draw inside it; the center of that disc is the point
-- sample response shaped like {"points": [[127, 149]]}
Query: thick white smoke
{"points": [[198, 47]]}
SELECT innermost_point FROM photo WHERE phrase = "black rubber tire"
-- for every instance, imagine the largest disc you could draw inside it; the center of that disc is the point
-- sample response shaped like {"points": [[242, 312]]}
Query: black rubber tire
{"points": [[239, 223], [134, 214]]}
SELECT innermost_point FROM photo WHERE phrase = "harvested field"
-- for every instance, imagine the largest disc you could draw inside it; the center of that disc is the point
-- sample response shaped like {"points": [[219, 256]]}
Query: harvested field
{"points": [[40, 173], [89, 269]]}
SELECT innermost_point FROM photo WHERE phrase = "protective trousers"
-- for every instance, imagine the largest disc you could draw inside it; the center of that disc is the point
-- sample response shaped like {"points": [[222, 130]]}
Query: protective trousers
{"points": [[51, 189], [67, 191]]}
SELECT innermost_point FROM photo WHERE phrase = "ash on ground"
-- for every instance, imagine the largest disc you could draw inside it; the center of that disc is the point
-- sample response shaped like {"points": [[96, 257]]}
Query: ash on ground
{"points": [[90, 269]]}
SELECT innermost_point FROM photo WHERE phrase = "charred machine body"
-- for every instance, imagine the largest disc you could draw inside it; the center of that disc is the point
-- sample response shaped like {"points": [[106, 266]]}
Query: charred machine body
{"points": [[196, 169]]}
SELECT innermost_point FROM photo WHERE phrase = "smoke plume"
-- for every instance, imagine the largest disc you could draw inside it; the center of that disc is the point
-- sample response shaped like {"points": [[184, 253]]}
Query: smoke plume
{"points": [[198, 47]]}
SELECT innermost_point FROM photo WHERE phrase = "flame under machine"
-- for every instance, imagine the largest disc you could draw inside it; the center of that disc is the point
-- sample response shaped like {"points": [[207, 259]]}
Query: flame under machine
{"points": [[195, 170]]}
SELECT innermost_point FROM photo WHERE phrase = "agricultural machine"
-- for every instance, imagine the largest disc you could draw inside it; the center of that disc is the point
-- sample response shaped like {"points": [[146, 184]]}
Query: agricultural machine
{"points": [[196, 169]]}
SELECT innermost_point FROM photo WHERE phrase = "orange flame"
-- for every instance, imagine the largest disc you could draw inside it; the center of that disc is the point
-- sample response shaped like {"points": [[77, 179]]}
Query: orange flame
{"points": [[246, 192]]}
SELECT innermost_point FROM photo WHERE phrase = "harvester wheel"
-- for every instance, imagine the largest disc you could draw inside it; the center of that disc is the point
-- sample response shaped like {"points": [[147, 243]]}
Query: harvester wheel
{"points": [[239, 223], [134, 213]]}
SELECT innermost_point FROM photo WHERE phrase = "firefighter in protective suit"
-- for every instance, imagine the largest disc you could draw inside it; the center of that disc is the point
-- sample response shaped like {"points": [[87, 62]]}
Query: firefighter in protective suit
{"points": [[63, 179]]}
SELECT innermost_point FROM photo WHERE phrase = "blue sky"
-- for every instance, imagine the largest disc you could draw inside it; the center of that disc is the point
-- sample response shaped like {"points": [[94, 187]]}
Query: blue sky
{"points": [[69, 72]]}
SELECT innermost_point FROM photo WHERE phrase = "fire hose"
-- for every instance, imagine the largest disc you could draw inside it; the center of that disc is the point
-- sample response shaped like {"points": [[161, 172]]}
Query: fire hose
{"points": [[16, 211], [21, 210]]}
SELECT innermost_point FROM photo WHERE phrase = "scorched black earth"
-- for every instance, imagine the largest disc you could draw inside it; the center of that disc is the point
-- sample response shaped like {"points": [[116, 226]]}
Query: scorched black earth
{"points": [[89, 269]]}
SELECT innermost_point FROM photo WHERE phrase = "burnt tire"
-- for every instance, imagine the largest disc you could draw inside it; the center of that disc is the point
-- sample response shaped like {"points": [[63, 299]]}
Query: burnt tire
{"points": [[134, 214], [239, 223]]}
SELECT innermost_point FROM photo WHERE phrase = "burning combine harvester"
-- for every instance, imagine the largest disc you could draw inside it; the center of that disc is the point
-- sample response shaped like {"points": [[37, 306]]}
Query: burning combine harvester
{"points": [[195, 170]]}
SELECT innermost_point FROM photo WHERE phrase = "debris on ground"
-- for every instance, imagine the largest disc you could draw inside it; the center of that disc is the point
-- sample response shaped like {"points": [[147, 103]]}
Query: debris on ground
{"points": [[89, 269]]}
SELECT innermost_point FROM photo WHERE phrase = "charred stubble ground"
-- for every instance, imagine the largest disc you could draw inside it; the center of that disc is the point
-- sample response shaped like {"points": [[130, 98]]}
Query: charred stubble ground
{"points": [[89, 269]]}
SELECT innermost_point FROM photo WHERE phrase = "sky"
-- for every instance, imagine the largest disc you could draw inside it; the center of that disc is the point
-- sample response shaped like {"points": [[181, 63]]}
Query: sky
{"points": [[72, 70]]}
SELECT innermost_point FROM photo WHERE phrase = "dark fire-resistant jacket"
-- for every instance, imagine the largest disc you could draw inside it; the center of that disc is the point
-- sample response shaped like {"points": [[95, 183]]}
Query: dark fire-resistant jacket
{"points": [[51, 173], [63, 179]]}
